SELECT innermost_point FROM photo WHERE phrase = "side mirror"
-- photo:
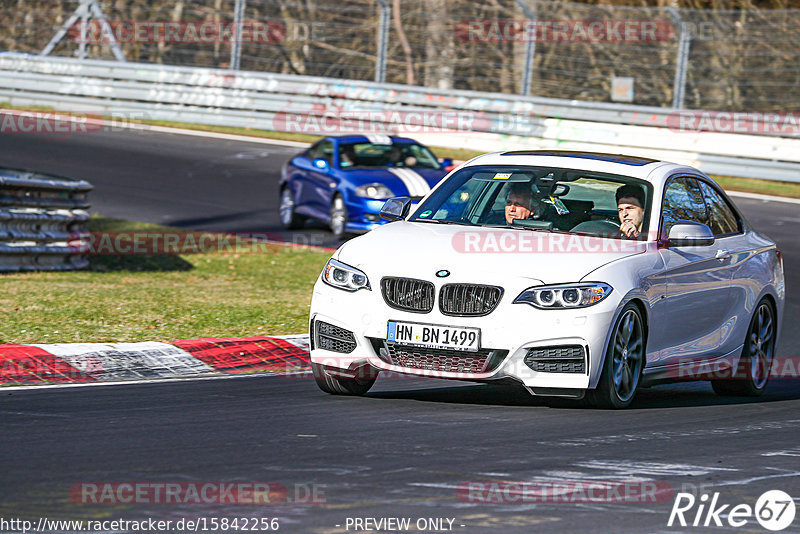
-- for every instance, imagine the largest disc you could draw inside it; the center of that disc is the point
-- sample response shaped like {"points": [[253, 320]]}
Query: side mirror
{"points": [[690, 234], [320, 164], [560, 189], [396, 208]]}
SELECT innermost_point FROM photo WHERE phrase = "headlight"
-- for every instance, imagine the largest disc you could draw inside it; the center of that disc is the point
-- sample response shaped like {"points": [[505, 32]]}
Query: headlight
{"points": [[375, 191], [564, 295], [342, 276]]}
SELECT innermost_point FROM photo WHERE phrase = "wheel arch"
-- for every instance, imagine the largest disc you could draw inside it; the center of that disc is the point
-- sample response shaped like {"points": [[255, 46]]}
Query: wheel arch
{"points": [[290, 183], [772, 301], [769, 295], [641, 306], [770, 298]]}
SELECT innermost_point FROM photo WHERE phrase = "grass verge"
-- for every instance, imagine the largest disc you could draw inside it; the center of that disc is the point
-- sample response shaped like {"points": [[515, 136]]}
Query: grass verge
{"points": [[263, 289], [763, 187], [749, 185]]}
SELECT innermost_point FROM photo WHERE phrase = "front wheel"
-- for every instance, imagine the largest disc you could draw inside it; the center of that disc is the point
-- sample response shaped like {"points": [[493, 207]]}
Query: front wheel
{"points": [[752, 372], [289, 217], [342, 386], [622, 368], [338, 217]]}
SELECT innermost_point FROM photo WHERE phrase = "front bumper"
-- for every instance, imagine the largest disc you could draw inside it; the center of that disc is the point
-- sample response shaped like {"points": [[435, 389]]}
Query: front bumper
{"points": [[508, 332], [363, 215]]}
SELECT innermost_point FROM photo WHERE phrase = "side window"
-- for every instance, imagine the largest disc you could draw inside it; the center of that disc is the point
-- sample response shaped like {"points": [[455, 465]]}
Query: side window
{"points": [[322, 150], [722, 217], [683, 200]]}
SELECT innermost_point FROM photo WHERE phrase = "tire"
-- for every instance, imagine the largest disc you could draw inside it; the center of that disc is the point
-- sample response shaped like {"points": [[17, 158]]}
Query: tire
{"points": [[622, 369], [286, 209], [342, 386], [752, 372], [338, 217]]}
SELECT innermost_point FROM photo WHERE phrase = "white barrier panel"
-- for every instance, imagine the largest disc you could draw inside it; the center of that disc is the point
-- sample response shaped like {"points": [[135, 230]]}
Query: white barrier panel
{"points": [[484, 121]]}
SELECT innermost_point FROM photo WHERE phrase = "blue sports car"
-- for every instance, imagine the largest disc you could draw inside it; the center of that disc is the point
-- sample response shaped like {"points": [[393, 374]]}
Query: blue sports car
{"points": [[344, 180]]}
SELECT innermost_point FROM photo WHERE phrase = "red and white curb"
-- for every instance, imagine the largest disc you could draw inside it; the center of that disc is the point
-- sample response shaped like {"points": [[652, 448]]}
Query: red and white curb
{"points": [[64, 363]]}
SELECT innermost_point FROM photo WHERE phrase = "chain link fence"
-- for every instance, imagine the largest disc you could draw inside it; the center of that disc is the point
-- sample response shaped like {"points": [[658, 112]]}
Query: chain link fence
{"points": [[715, 60]]}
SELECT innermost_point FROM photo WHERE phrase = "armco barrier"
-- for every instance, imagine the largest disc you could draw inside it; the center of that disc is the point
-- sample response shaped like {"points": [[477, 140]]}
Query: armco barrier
{"points": [[41, 218], [261, 100]]}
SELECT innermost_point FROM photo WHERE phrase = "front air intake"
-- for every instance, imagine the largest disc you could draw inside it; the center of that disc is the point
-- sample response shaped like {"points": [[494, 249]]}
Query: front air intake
{"points": [[567, 359], [333, 338]]}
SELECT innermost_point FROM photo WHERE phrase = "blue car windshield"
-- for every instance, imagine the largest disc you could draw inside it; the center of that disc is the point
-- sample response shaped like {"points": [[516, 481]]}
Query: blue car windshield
{"points": [[539, 198], [368, 155]]}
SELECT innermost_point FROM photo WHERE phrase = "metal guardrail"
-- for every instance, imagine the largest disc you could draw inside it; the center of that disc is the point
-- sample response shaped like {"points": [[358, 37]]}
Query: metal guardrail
{"points": [[41, 220], [259, 100], [229, 89]]}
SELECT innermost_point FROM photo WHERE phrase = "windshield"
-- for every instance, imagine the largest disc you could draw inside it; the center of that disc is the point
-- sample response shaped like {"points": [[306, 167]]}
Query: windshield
{"points": [[541, 198], [369, 155]]}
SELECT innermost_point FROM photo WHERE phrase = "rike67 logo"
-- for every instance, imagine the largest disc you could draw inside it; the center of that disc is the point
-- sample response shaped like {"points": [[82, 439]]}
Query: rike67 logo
{"points": [[774, 510]]}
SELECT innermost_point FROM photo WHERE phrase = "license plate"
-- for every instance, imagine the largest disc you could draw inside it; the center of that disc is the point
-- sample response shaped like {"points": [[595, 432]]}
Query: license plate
{"points": [[434, 336]]}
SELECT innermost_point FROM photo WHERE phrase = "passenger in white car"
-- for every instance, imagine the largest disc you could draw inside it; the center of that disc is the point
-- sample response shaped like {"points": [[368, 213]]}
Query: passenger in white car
{"points": [[630, 208]]}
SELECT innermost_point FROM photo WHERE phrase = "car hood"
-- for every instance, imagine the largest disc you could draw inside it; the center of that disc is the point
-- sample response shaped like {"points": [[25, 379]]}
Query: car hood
{"points": [[479, 254], [401, 181]]}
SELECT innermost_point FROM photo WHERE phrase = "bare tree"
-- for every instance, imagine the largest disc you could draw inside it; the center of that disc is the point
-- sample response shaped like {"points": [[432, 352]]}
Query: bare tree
{"points": [[439, 45], [401, 35]]}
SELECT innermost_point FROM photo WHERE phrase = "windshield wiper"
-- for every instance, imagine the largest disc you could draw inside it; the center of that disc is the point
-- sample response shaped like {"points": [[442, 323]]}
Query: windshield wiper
{"points": [[443, 221], [515, 227]]}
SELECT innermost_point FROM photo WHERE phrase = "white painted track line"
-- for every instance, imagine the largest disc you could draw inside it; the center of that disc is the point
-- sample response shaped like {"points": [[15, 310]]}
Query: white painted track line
{"points": [[766, 198]]}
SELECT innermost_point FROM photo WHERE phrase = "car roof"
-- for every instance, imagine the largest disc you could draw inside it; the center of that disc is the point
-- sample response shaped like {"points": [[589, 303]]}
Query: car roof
{"points": [[597, 156], [365, 138], [652, 170]]}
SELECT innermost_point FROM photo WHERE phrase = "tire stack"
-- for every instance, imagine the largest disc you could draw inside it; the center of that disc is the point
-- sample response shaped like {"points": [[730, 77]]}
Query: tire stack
{"points": [[42, 222]]}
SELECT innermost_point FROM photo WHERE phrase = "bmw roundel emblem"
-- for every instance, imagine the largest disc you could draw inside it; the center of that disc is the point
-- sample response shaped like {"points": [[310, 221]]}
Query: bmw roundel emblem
{"points": [[442, 273]]}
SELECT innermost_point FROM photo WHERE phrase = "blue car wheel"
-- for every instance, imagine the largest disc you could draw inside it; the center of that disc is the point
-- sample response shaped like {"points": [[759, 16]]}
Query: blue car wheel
{"points": [[289, 217], [338, 217]]}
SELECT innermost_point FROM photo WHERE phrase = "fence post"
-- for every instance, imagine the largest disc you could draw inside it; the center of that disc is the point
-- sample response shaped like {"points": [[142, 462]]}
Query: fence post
{"points": [[85, 9], [682, 62], [84, 31], [116, 49], [236, 45], [530, 47], [383, 40]]}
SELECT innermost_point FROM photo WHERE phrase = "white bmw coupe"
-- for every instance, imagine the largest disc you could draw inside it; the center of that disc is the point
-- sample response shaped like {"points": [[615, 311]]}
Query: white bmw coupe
{"points": [[569, 273]]}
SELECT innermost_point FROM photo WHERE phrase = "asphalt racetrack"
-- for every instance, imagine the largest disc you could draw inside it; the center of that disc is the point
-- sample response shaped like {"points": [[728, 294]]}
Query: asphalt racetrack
{"points": [[407, 449]]}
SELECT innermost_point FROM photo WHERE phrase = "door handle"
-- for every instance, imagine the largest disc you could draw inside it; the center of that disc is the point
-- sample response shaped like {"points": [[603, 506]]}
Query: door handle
{"points": [[722, 254]]}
